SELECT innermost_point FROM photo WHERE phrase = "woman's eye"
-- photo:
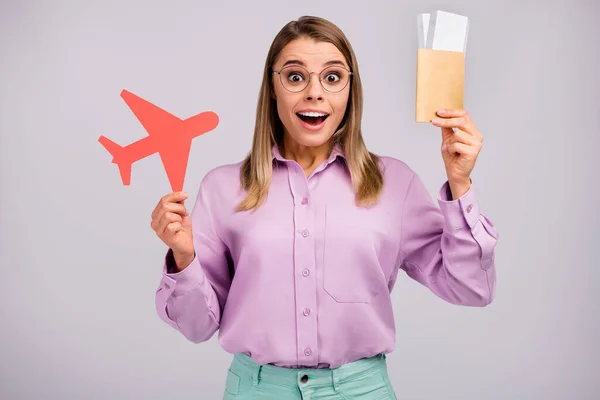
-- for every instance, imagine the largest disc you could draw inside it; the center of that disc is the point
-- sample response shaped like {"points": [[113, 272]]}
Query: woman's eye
{"points": [[295, 77], [332, 78]]}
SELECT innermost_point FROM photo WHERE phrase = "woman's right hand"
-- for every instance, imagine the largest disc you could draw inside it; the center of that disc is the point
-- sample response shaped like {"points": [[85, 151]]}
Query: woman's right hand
{"points": [[173, 225]]}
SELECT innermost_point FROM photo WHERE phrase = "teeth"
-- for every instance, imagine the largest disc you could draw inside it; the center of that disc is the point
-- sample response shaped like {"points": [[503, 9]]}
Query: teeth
{"points": [[312, 114]]}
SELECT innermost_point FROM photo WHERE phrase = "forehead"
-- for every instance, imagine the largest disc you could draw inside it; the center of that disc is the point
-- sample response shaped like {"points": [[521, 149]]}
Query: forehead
{"points": [[310, 52]]}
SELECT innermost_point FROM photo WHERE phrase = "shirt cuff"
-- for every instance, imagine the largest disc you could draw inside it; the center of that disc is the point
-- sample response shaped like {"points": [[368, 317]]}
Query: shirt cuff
{"points": [[183, 281], [460, 212]]}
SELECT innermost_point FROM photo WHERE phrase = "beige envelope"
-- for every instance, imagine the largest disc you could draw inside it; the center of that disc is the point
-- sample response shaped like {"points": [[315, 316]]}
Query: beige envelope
{"points": [[440, 82]]}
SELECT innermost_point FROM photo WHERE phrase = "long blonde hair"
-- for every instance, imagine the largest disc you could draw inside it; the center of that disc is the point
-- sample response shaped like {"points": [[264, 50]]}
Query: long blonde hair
{"points": [[257, 167]]}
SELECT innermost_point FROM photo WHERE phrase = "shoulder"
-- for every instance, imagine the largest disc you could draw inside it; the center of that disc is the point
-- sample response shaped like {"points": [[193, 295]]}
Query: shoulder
{"points": [[395, 169], [220, 187], [398, 178], [222, 175]]}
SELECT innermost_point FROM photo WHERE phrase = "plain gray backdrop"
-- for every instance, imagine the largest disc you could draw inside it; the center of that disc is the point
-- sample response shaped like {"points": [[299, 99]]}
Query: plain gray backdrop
{"points": [[80, 263]]}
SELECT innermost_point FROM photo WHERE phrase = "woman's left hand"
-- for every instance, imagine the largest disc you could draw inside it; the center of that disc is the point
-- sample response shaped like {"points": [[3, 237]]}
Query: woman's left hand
{"points": [[460, 147]]}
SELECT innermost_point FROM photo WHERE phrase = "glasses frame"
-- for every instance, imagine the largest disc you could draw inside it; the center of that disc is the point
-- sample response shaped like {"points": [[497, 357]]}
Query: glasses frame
{"points": [[350, 73]]}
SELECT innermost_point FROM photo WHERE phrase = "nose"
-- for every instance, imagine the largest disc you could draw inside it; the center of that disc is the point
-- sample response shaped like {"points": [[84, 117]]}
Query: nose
{"points": [[314, 89]]}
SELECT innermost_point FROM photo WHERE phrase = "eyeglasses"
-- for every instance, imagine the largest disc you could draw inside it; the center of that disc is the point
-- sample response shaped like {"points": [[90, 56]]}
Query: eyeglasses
{"points": [[295, 78]]}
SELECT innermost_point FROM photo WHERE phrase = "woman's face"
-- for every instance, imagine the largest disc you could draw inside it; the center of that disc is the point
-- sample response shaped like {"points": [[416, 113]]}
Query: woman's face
{"points": [[300, 112]]}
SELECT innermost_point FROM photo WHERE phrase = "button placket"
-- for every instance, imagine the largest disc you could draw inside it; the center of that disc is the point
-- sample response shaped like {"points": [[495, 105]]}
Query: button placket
{"points": [[304, 246]]}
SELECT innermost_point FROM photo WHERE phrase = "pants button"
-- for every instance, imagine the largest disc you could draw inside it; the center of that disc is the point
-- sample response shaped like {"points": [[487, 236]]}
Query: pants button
{"points": [[304, 379]]}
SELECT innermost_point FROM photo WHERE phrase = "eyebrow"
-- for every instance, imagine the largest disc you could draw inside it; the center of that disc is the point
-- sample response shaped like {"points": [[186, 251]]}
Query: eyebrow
{"points": [[299, 62]]}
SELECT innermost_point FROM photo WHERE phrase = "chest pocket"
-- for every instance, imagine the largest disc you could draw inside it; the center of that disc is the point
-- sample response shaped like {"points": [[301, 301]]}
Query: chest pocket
{"points": [[353, 241]]}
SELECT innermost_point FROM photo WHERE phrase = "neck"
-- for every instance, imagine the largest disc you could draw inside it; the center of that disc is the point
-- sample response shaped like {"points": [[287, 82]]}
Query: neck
{"points": [[308, 157]]}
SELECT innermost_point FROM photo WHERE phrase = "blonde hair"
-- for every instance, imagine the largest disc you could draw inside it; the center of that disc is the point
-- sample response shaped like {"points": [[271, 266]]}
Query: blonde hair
{"points": [[257, 167]]}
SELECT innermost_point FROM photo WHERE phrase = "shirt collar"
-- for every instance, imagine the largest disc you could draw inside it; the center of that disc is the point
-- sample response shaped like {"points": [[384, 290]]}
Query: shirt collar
{"points": [[335, 152]]}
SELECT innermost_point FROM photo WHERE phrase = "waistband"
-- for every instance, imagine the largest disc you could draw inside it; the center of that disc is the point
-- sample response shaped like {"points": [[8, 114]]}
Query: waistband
{"points": [[243, 364]]}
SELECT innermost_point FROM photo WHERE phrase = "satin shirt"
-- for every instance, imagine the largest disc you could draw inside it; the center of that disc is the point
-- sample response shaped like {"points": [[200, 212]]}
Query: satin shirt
{"points": [[306, 280]]}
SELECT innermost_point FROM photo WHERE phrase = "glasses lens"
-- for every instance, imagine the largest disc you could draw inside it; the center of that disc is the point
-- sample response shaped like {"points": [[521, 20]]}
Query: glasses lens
{"points": [[334, 79], [294, 78]]}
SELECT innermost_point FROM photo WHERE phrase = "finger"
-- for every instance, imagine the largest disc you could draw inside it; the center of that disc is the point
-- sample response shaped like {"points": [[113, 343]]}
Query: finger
{"points": [[457, 122], [173, 228], [458, 118], [463, 137], [176, 208], [166, 219], [452, 112], [460, 148], [174, 197], [167, 230]]}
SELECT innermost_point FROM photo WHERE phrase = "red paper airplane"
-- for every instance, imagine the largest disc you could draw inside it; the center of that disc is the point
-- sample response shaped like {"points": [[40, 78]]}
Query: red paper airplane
{"points": [[170, 136]]}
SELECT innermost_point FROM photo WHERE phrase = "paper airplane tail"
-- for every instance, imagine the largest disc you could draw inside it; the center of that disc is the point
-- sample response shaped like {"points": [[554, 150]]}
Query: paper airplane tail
{"points": [[118, 153]]}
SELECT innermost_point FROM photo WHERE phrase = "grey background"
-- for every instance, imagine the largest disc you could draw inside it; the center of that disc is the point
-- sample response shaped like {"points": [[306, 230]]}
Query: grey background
{"points": [[80, 263]]}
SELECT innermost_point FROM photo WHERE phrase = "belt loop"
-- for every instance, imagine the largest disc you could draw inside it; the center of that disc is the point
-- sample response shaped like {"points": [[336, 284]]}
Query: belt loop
{"points": [[255, 375], [336, 380]]}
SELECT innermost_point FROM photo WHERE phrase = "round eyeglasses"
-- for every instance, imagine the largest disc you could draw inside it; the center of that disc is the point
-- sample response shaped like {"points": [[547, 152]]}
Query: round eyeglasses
{"points": [[295, 78]]}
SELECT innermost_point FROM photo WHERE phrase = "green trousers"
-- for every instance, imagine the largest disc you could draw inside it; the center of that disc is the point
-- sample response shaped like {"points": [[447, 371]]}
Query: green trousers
{"points": [[365, 379]]}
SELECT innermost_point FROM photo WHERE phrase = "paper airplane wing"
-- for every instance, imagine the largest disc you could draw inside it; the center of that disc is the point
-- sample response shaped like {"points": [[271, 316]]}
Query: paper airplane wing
{"points": [[154, 119]]}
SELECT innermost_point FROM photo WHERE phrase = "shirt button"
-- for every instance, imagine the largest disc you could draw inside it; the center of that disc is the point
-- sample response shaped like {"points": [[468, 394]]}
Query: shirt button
{"points": [[306, 312], [307, 351], [305, 233], [305, 272], [304, 201], [469, 208]]}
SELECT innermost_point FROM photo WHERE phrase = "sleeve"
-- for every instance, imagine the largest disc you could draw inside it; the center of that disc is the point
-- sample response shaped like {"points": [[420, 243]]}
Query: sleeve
{"points": [[191, 300], [449, 249]]}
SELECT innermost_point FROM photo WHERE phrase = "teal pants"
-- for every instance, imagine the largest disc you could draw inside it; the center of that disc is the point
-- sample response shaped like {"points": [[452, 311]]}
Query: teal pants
{"points": [[365, 379]]}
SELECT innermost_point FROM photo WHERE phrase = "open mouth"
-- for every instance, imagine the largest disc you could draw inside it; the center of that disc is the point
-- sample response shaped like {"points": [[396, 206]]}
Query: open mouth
{"points": [[312, 119]]}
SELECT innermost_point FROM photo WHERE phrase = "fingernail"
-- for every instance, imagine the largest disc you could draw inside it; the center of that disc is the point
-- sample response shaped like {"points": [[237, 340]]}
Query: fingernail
{"points": [[435, 121], [441, 112]]}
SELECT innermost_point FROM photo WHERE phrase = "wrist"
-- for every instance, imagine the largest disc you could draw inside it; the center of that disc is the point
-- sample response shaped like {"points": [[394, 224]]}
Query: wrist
{"points": [[182, 260], [459, 188]]}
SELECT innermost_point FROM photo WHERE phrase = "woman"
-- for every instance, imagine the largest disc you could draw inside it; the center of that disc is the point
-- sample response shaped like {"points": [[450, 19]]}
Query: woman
{"points": [[292, 253]]}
